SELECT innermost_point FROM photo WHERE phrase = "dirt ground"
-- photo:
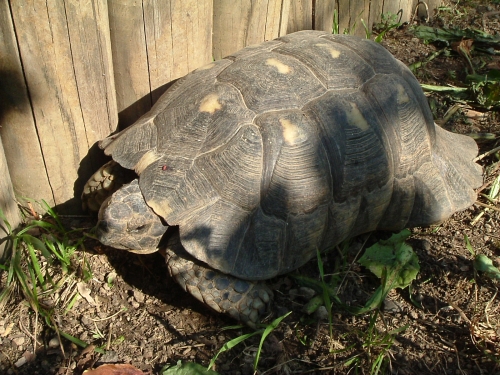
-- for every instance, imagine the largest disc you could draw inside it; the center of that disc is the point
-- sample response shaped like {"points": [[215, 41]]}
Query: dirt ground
{"points": [[449, 323]]}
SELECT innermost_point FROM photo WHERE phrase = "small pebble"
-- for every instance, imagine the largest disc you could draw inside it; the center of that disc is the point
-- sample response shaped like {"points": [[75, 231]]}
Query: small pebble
{"points": [[390, 305], [54, 343], [322, 313], [110, 357], [20, 362], [18, 340], [426, 245], [139, 296]]}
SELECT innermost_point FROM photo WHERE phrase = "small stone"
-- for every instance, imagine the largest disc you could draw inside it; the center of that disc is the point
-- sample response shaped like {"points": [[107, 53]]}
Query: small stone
{"points": [[110, 357], [20, 362], [426, 245], [391, 306], [54, 343], [322, 313], [18, 340], [139, 296]]}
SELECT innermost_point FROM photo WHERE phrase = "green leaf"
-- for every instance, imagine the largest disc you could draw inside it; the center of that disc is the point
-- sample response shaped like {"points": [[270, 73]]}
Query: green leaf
{"points": [[431, 34], [495, 189], [187, 368], [469, 246], [393, 261], [484, 264]]}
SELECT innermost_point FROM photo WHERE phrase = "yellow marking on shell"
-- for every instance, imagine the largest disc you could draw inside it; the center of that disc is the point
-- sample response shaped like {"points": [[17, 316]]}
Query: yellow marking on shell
{"points": [[290, 131], [356, 118], [282, 68], [403, 97], [147, 159], [210, 104], [333, 52], [161, 208], [206, 67]]}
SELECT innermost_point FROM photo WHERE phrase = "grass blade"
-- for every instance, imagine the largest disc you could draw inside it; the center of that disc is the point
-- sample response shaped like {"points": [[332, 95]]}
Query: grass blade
{"points": [[271, 327], [231, 344]]}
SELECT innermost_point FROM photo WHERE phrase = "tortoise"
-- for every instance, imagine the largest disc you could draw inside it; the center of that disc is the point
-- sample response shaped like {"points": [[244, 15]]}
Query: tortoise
{"points": [[274, 152]]}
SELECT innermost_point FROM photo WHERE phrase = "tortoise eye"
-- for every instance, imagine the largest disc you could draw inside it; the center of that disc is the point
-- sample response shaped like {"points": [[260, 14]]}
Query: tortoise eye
{"points": [[138, 229]]}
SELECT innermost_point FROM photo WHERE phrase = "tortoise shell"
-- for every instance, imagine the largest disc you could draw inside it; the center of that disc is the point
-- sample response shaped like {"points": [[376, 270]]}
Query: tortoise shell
{"points": [[291, 146]]}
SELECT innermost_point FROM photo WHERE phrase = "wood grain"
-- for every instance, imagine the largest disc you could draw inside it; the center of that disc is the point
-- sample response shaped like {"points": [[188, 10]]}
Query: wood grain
{"points": [[247, 22], [17, 124], [8, 204], [324, 13], [300, 17], [178, 39], [130, 62], [65, 60]]}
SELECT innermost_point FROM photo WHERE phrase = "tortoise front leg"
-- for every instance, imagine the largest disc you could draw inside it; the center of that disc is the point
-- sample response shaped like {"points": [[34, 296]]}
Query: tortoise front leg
{"points": [[246, 301], [103, 183]]}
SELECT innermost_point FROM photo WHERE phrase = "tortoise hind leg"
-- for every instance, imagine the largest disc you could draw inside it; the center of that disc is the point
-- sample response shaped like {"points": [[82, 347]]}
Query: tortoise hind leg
{"points": [[246, 301]]}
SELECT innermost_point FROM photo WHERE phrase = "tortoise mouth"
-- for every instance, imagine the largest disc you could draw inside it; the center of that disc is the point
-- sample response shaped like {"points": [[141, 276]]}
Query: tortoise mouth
{"points": [[143, 240]]}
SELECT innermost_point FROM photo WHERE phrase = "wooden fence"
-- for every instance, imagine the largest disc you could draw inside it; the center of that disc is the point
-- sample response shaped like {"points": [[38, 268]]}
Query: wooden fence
{"points": [[72, 71]]}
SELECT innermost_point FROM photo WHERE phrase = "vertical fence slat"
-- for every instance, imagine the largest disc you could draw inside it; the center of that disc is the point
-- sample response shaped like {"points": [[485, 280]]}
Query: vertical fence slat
{"points": [[89, 37], [46, 55], [18, 131], [178, 39], [63, 67], [375, 13], [350, 15], [394, 6], [300, 17], [7, 203], [130, 63], [241, 23], [324, 13], [359, 11]]}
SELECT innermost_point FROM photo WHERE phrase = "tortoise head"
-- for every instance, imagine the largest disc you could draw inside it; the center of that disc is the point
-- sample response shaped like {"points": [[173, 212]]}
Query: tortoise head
{"points": [[126, 221]]}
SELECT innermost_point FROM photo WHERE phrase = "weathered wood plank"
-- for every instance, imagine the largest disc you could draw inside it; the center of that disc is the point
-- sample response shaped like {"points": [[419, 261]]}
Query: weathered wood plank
{"points": [[8, 205], [130, 61], [89, 37], [178, 39], [17, 126], [300, 17], [88, 28], [350, 15], [375, 12], [242, 23], [392, 7], [344, 16], [323, 14], [63, 91], [358, 11]]}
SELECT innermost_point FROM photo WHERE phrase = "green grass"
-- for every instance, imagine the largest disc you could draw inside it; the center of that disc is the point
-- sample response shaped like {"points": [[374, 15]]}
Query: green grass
{"points": [[43, 269]]}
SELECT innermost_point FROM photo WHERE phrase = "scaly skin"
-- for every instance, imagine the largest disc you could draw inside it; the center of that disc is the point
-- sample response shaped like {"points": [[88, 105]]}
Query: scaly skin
{"points": [[246, 301]]}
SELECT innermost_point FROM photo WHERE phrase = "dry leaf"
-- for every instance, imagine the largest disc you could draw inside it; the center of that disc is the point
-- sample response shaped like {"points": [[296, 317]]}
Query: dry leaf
{"points": [[84, 291], [120, 369], [463, 47]]}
